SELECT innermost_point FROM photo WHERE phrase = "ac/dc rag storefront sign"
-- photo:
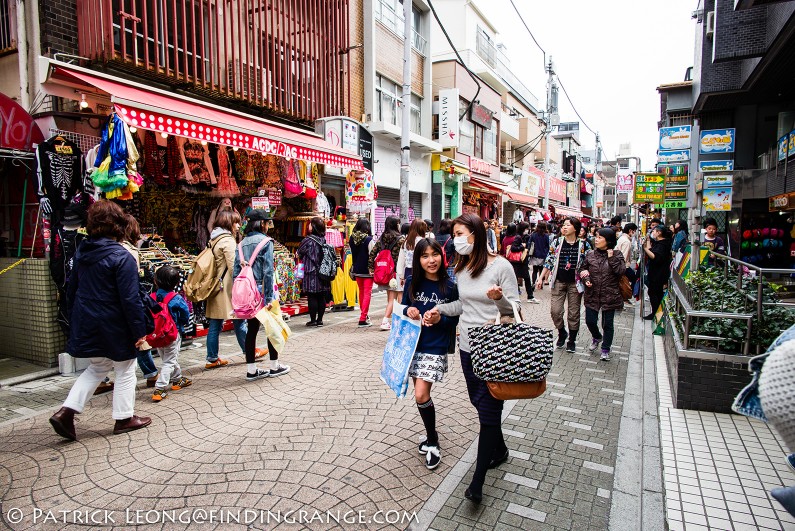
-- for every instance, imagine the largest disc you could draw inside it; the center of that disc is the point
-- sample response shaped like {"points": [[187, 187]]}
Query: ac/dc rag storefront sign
{"points": [[17, 128], [228, 137]]}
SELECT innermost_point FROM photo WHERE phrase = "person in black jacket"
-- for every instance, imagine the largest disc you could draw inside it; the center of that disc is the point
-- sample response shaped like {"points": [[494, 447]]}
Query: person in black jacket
{"points": [[445, 239], [658, 251], [106, 320]]}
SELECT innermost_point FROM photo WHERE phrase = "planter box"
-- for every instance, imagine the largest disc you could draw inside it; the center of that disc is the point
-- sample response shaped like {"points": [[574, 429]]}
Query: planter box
{"points": [[700, 380]]}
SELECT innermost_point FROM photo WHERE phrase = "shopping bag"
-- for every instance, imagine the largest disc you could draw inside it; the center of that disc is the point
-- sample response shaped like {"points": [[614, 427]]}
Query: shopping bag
{"points": [[274, 326], [399, 351], [659, 316], [511, 352]]}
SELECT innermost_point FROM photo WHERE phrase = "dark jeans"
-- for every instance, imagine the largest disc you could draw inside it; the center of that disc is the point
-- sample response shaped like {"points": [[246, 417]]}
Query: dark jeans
{"points": [[632, 276], [251, 342], [317, 306], [146, 363], [592, 320]]}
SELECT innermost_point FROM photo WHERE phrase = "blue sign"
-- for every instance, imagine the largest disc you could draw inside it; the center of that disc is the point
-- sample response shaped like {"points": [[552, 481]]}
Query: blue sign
{"points": [[715, 165], [782, 148], [716, 141], [679, 155], [674, 138], [399, 351]]}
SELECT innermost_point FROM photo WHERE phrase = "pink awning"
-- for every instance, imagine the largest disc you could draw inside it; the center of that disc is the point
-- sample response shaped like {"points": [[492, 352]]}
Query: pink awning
{"points": [[151, 109]]}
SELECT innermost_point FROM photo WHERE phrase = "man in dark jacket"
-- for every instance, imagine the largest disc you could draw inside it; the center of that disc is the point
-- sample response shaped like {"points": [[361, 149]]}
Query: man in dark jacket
{"points": [[106, 320]]}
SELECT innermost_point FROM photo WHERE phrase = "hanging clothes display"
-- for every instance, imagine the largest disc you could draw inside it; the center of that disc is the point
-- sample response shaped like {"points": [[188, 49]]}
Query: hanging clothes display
{"points": [[116, 173], [196, 161], [60, 174], [227, 187], [284, 266]]}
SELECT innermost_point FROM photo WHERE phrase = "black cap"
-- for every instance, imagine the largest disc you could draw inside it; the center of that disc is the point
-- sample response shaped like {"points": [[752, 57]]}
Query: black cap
{"points": [[258, 214]]}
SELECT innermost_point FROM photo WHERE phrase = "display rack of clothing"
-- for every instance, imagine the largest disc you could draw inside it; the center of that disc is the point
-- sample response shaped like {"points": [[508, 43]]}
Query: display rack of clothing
{"points": [[284, 265]]}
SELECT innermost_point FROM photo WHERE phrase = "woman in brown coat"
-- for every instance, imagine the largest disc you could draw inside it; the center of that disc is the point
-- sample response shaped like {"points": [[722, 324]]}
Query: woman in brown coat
{"points": [[223, 242], [600, 272]]}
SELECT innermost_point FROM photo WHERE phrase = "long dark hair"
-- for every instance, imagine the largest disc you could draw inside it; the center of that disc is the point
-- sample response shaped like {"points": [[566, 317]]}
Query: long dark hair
{"points": [[363, 225], [418, 273], [391, 225], [418, 228], [682, 226], [476, 262]]}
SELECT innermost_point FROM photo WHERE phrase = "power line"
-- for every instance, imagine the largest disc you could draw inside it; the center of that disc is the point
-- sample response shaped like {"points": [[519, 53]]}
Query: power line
{"points": [[528, 31], [573, 107], [460, 60]]}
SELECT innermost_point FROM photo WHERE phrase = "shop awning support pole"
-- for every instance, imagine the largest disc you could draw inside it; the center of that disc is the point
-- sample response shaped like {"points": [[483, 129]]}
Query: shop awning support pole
{"points": [[548, 118], [22, 216], [405, 140]]}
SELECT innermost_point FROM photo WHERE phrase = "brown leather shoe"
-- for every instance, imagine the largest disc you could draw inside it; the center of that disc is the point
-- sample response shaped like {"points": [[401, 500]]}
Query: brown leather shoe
{"points": [[103, 387], [63, 422], [131, 424], [150, 382]]}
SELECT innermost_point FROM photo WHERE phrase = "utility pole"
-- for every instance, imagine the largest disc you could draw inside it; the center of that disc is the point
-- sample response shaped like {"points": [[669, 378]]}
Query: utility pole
{"points": [[552, 108], [405, 140], [597, 162]]}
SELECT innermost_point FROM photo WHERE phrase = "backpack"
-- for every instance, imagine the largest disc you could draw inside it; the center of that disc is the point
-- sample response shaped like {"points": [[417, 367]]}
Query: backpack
{"points": [[166, 331], [328, 263], [384, 266], [203, 277], [246, 297], [516, 251]]}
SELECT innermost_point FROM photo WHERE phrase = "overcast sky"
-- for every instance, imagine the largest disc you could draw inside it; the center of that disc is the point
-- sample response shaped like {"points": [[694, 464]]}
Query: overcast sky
{"points": [[611, 56]]}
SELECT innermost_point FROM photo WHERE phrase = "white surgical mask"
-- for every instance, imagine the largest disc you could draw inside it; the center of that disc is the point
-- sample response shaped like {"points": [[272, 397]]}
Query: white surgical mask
{"points": [[462, 245]]}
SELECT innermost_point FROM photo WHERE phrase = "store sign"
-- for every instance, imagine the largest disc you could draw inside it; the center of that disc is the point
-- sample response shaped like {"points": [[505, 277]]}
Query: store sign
{"points": [[569, 167], [228, 137], [782, 202], [366, 148], [717, 199], [479, 166], [679, 155], [716, 165], [625, 183], [649, 188], [716, 141], [448, 118], [675, 174], [675, 204], [717, 181], [260, 203], [675, 138], [676, 194], [791, 144], [350, 136], [528, 183], [480, 115], [557, 189], [17, 128]]}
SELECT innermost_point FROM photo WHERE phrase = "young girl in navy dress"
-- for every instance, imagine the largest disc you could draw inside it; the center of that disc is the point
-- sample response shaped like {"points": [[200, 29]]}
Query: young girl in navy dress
{"points": [[429, 286]]}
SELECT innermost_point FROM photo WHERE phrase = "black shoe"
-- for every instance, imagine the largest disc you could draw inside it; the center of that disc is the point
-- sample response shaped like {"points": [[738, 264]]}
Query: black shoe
{"points": [[497, 461], [319, 324], [649, 317], [571, 347], [433, 457], [257, 375], [282, 369], [472, 495], [562, 336], [311, 323]]}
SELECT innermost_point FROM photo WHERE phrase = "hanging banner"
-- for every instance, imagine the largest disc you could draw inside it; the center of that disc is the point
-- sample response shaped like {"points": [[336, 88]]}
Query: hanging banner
{"points": [[715, 165], [718, 199], [675, 137], [783, 146], [625, 183], [716, 141], [448, 118], [680, 155], [649, 188]]}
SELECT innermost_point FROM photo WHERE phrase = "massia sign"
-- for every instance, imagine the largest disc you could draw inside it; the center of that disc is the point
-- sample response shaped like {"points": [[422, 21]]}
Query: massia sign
{"points": [[448, 118], [17, 128]]}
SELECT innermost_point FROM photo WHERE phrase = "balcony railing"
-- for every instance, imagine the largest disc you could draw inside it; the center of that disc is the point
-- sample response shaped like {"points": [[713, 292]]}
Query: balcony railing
{"points": [[386, 14], [8, 26], [497, 60], [284, 55]]}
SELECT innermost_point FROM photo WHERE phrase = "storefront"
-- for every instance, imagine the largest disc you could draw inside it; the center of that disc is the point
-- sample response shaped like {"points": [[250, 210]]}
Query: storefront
{"points": [[519, 206], [483, 197], [448, 176], [182, 157]]}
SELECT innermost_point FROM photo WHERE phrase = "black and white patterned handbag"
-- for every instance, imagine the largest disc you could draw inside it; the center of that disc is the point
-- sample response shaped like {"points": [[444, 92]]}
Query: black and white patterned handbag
{"points": [[514, 352]]}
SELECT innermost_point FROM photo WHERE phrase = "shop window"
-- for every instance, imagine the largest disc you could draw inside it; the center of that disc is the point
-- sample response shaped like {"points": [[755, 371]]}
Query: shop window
{"points": [[621, 203], [8, 28], [490, 144]]}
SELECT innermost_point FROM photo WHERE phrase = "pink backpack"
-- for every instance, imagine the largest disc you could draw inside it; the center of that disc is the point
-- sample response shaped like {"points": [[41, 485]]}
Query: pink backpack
{"points": [[246, 298]]}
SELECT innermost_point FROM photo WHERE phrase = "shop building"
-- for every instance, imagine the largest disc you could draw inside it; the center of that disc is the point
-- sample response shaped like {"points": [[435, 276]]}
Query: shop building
{"points": [[208, 104], [381, 64], [741, 128]]}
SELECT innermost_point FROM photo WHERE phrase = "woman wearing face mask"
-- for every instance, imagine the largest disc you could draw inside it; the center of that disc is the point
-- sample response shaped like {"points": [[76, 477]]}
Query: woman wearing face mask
{"points": [[600, 271], [486, 285], [657, 249]]}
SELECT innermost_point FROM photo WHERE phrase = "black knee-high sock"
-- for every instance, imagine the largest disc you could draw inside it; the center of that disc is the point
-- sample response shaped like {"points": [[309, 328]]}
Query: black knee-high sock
{"points": [[488, 440], [428, 414]]}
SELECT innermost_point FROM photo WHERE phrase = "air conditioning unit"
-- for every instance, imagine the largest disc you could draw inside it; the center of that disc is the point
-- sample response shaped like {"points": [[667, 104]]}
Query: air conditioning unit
{"points": [[710, 24]]}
